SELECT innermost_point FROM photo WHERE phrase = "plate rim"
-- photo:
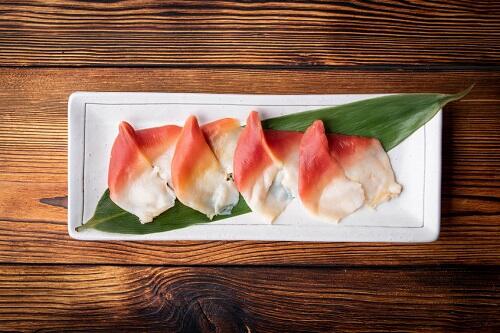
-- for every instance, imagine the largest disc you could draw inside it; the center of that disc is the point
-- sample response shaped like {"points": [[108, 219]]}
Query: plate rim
{"points": [[76, 139]]}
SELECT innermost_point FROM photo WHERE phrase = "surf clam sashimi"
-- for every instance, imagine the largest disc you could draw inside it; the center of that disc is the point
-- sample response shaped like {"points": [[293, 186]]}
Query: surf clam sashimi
{"points": [[138, 176], [323, 188], [365, 161], [199, 180], [258, 174]]}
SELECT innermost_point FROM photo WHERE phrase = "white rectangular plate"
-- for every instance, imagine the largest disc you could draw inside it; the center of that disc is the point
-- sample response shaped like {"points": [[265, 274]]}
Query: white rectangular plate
{"points": [[93, 125]]}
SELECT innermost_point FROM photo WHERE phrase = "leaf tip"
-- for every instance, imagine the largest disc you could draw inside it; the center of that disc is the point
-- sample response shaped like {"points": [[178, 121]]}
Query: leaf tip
{"points": [[90, 224], [462, 93]]}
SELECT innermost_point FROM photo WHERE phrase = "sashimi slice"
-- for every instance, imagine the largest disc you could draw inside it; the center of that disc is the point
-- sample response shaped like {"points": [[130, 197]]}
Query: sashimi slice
{"points": [[158, 145], [134, 184], [257, 173], [365, 161], [199, 180], [284, 146], [222, 136], [323, 188]]}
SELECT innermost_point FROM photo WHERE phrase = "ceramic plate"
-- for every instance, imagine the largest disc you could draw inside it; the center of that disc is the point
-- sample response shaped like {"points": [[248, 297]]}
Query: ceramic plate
{"points": [[93, 125]]}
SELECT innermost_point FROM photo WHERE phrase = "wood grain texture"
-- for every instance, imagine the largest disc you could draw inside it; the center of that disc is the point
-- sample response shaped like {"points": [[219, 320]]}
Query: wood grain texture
{"points": [[33, 167], [250, 33], [104, 298], [280, 47]]}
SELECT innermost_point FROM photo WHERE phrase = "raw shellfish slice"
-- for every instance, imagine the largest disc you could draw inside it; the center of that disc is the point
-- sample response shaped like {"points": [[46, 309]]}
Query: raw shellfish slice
{"points": [[257, 173], [134, 183], [365, 161], [323, 188], [198, 178]]}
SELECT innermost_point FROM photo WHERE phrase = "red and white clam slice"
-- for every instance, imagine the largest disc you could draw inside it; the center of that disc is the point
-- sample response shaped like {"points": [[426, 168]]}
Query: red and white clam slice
{"points": [[323, 188], [365, 161], [134, 182], [198, 178], [258, 174]]}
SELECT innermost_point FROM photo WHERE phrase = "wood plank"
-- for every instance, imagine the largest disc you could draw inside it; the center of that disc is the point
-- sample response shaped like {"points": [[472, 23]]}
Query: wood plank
{"points": [[103, 298], [466, 238], [33, 167], [260, 33]]}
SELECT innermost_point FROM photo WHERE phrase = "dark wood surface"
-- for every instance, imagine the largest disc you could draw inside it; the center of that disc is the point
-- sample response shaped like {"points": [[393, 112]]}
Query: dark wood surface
{"points": [[49, 49], [246, 33], [242, 299]]}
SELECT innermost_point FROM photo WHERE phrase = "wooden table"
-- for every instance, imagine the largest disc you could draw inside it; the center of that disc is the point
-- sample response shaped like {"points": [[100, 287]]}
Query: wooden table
{"points": [[49, 49]]}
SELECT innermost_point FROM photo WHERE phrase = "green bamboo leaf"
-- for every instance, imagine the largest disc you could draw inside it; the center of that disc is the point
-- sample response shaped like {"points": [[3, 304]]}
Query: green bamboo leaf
{"points": [[391, 119], [111, 218]]}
